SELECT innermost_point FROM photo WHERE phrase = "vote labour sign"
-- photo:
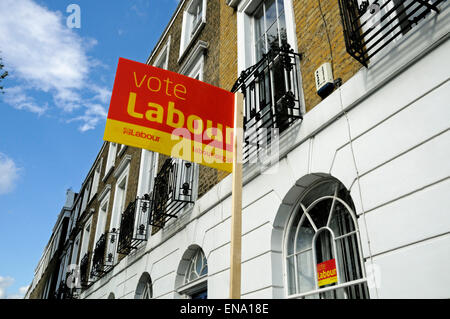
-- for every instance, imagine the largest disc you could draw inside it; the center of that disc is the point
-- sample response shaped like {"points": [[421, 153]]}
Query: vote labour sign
{"points": [[326, 272], [172, 114]]}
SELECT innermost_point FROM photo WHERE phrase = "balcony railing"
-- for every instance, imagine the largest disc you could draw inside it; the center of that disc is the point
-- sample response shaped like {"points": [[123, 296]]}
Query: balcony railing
{"points": [[102, 259], [369, 26], [134, 224], [84, 271], [271, 91], [172, 190], [64, 292]]}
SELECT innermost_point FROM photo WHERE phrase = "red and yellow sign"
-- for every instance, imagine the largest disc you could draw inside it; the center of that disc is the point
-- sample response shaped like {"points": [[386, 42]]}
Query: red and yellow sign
{"points": [[172, 114], [326, 272]]}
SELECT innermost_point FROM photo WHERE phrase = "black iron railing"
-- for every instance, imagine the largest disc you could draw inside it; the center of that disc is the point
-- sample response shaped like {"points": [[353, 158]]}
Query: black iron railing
{"points": [[102, 259], [369, 26], [172, 190], [64, 292], [271, 91], [84, 271], [134, 224]]}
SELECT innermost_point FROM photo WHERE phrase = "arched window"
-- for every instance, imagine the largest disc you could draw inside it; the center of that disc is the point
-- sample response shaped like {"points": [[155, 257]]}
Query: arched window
{"points": [[144, 288], [322, 247], [198, 267], [192, 279]]}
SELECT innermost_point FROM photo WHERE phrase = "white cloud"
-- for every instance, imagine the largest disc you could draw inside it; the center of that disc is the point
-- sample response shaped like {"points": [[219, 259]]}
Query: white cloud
{"points": [[45, 55], [5, 282], [20, 294], [93, 114], [19, 99], [9, 173]]}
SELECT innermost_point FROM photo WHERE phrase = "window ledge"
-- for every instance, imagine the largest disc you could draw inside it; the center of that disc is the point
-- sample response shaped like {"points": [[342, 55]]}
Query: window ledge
{"points": [[192, 57], [193, 286], [123, 164], [122, 150], [107, 173]]}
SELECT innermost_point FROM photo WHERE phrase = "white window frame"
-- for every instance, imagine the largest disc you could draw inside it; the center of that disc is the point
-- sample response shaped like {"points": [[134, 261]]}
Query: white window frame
{"points": [[110, 160], [246, 37], [102, 216], [144, 289], [74, 216], [122, 149], [193, 286], [245, 31], [119, 204], [162, 60], [96, 179], [87, 231], [148, 168], [188, 30], [85, 199], [76, 249], [300, 207]]}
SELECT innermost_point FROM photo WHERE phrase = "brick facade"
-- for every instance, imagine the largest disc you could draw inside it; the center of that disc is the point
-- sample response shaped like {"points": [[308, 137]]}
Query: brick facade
{"points": [[313, 44]]}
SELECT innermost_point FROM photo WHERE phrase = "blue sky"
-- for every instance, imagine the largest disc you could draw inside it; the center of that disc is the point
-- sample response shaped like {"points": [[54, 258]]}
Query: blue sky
{"points": [[53, 112]]}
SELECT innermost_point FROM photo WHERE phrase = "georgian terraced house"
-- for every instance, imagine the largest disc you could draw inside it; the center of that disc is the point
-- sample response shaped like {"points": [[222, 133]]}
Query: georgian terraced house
{"points": [[359, 94]]}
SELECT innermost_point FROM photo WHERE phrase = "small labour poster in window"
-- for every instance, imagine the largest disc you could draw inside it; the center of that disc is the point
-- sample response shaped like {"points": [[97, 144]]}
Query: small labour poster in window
{"points": [[326, 272]]}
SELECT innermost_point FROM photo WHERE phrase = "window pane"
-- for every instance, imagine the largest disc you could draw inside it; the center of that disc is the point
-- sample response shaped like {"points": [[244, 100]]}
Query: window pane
{"points": [[305, 235], [348, 258], [204, 270], [271, 12], [280, 6], [341, 222], [273, 40], [291, 275], [324, 248], [260, 48], [259, 23], [282, 29], [305, 271], [199, 264], [320, 212]]}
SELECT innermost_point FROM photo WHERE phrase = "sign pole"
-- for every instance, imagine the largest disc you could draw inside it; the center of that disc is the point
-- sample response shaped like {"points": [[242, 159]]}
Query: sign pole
{"points": [[236, 205]]}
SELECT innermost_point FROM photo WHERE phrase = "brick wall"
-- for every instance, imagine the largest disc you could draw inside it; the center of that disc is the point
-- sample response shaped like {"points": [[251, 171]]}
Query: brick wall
{"points": [[313, 43], [220, 58]]}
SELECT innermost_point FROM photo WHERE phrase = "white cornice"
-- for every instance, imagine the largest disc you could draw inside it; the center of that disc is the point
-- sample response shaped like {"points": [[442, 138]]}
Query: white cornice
{"points": [[192, 58], [123, 164], [233, 3], [104, 192]]}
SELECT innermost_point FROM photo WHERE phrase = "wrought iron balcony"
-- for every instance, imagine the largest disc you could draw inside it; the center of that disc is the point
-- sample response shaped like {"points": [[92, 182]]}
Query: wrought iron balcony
{"points": [[172, 190], [84, 271], [64, 292], [271, 90], [102, 258], [134, 224], [369, 26]]}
